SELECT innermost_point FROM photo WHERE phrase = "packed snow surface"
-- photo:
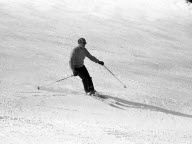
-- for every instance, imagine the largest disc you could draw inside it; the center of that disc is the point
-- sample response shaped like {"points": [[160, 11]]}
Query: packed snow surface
{"points": [[145, 43]]}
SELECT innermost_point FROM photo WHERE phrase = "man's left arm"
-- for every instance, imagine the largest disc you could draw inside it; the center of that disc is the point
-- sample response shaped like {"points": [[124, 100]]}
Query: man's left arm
{"points": [[91, 57]]}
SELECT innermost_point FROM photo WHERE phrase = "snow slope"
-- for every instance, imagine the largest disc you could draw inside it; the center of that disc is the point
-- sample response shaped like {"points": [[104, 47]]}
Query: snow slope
{"points": [[145, 43]]}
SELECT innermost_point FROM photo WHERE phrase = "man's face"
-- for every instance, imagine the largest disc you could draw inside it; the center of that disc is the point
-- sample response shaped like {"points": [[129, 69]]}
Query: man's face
{"points": [[83, 44]]}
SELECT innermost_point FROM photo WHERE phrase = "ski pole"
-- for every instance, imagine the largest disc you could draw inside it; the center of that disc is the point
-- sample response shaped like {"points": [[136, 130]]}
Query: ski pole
{"points": [[115, 77], [55, 81]]}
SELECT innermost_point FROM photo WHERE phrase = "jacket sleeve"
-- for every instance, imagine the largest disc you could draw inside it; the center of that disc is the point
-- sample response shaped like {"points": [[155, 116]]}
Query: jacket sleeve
{"points": [[90, 56]]}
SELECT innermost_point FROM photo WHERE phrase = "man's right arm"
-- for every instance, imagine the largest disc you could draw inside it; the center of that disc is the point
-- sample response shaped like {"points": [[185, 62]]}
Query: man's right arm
{"points": [[71, 59], [71, 65]]}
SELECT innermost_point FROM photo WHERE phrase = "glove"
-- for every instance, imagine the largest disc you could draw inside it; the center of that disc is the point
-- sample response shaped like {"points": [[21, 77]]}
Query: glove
{"points": [[101, 63], [75, 73]]}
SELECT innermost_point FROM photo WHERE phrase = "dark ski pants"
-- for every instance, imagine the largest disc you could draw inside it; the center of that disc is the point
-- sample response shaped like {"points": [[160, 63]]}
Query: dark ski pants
{"points": [[86, 79]]}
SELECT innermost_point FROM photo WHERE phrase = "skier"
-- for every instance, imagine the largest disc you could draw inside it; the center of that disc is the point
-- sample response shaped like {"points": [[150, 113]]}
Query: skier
{"points": [[78, 68]]}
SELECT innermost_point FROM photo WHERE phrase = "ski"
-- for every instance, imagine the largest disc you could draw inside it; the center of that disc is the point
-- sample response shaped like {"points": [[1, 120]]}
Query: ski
{"points": [[105, 99]]}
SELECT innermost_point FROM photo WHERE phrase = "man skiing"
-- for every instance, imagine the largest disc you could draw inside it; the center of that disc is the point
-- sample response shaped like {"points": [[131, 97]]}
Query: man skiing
{"points": [[76, 63]]}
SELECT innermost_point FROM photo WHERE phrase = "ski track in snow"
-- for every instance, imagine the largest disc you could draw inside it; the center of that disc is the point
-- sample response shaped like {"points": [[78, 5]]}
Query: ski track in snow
{"points": [[145, 43]]}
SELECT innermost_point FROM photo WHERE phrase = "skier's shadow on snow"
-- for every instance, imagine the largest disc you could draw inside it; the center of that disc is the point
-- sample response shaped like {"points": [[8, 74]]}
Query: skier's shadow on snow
{"points": [[121, 103]]}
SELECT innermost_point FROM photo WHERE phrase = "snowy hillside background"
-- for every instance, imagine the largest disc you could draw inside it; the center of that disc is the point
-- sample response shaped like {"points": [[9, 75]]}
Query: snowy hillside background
{"points": [[147, 44]]}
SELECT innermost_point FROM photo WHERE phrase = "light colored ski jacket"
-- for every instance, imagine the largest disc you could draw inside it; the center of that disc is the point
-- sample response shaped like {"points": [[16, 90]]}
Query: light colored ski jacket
{"points": [[77, 57]]}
